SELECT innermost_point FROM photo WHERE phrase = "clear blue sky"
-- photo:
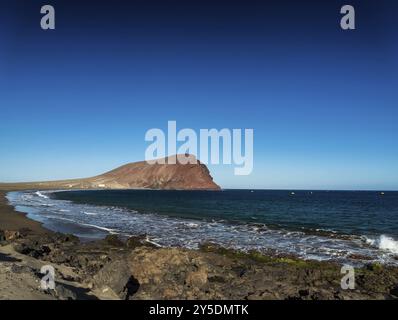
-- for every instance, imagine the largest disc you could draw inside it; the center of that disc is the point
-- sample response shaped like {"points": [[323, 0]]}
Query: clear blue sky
{"points": [[323, 102]]}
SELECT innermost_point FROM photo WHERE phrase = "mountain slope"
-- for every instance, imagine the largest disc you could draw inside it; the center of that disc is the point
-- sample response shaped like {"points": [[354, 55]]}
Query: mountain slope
{"points": [[137, 175]]}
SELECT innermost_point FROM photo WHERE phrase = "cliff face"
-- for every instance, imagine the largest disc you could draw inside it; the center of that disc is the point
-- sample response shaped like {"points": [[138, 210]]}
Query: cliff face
{"points": [[138, 175]]}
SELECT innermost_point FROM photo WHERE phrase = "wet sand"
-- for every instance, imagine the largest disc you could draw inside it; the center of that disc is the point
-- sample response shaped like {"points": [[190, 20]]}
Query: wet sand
{"points": [[17, 221]]}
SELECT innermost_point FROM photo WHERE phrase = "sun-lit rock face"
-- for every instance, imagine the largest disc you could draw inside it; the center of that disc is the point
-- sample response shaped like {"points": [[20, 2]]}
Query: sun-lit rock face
{"points": [[142, 175], [191, 176]]}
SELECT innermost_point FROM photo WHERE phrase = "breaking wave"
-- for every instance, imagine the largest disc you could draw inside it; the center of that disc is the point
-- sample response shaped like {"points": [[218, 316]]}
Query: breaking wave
{"points": [[384, 243], [38, 193]]}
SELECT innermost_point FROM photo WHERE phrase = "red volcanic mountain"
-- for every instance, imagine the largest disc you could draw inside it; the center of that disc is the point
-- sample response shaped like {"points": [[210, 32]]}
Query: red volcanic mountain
{"points": [[137, 175]]}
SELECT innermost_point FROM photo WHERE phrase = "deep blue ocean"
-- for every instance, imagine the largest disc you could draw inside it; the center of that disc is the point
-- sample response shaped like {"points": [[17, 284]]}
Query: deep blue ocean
{"points": [[361, 213], [311, 224]]}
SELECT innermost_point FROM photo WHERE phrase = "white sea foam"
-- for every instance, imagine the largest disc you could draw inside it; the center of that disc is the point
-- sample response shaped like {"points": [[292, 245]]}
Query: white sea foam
{"points": [[370, 241], [113, 231], [384, 242], [152, 242], [388, 243], [90, 213], [191, 225], [41, 195]]}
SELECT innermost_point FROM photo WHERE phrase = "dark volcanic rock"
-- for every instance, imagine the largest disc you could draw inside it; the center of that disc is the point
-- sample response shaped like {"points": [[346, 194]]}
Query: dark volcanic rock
{"points": [[114, 240], [185, 274], [133, 270], [15, 268], [116, 276], [34, 250], [63, 293], [9, 235], [394, 291]]}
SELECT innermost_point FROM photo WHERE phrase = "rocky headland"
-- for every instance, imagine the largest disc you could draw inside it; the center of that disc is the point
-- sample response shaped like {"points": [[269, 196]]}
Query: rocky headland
{"points": [[193, 175]]}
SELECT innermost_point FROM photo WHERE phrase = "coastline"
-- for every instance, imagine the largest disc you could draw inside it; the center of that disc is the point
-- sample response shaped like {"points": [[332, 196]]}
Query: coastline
{"points": [[87, 270], [93, 214], [10, 219]]}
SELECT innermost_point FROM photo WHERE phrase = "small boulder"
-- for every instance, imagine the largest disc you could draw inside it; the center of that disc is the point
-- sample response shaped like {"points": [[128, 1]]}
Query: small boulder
{"points": [[11, 235], [134, 242], [197, 278], [116, 276], [18, 269], [394, 291], [63, 293], [113, 240]]}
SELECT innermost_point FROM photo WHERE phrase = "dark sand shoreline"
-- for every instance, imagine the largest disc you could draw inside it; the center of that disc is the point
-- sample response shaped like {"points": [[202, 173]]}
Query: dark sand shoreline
{"points": [[10, 219]]}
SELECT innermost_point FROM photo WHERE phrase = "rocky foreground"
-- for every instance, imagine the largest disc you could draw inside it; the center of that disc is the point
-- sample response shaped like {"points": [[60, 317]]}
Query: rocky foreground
{"points": [[135, 269]]}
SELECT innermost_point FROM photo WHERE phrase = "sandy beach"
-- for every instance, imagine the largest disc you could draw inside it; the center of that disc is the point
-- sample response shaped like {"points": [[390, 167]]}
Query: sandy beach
{"points": [[18, 272], [13, 220]]}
